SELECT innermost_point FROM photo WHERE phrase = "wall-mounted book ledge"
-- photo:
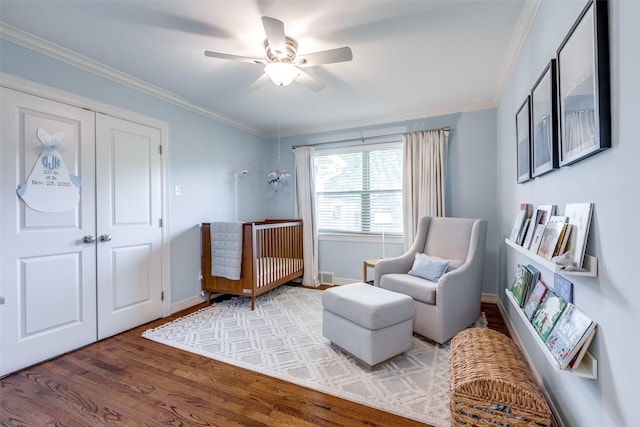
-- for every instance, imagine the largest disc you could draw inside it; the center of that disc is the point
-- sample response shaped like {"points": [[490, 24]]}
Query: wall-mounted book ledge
{"points": [[588, 368], [589, 263]]}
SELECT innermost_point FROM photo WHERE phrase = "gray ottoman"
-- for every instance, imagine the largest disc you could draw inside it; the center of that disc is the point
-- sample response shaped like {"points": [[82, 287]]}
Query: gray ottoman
{"points": [[370, 323]]}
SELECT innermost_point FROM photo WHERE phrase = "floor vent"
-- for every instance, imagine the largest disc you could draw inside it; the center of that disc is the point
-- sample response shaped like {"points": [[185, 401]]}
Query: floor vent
{"points": [[326, 278]]}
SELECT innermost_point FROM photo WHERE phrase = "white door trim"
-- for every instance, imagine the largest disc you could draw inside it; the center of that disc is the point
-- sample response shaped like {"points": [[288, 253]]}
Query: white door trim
{"points": [[23, 85]]}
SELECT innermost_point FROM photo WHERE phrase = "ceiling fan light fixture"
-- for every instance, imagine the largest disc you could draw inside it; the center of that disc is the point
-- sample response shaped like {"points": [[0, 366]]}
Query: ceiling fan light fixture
{"points": [[281, 73]]}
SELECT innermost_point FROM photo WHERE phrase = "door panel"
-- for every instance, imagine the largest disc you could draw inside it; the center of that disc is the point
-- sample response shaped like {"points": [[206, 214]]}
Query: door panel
{"points": [[47, 273], [131, 276], [132, 168], [38, 275], [128, 168]]}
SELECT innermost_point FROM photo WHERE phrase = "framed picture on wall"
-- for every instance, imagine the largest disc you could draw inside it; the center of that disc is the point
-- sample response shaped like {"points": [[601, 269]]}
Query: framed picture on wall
{"points": [[544, 124], [523, 132], [583, 85]]}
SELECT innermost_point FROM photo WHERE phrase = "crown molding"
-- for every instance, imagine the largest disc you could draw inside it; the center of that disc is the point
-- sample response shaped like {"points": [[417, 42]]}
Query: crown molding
{"points": [[74, 59], [525, 21]]}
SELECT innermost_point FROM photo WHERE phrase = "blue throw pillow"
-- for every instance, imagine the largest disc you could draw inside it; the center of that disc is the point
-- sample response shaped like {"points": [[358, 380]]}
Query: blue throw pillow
{"points": [[428, 268]]}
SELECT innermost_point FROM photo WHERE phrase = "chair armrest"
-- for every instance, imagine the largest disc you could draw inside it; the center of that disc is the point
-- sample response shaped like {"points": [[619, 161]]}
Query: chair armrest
{"points": [[401, 264]]}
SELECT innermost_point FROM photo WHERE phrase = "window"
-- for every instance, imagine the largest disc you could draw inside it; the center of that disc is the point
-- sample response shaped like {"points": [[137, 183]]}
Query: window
{"points": [[354, 183]]}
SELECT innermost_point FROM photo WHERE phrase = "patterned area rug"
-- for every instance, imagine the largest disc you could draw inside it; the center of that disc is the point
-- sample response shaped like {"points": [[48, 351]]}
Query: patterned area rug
{"points": [[283, 338]]}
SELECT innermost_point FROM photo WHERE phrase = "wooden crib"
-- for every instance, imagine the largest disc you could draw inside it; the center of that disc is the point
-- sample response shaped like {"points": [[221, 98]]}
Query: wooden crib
{"points": [[271, 256]]}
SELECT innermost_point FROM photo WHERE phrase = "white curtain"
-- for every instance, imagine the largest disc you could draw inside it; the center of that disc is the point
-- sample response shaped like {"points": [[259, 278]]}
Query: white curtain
{"points": [[423, 178], [306, 210]]}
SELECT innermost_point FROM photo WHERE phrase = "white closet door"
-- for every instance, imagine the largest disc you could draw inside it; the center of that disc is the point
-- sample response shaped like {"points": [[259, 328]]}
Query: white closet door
{"points": [[129, 203], [47, 271]]}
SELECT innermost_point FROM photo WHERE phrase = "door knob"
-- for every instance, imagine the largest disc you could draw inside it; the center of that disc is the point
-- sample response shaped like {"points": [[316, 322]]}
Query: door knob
{"points": [[105, 238], [89, 238]]}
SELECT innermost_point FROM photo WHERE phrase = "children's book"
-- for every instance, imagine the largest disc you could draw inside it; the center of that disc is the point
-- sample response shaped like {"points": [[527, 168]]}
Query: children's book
{"points": [[534, 300], [568, 335], [553, 231], [528, 208], [535, 276], [550, 310], [550, 210], [519, 288], [558, 218], [517, 225], [523, 232], [537, 238], [539, 219], [563, 287], [563, 240], [580, 217]]}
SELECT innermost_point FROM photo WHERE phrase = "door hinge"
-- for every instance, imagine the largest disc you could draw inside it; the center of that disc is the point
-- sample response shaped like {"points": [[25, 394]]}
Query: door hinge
{"points": [[162, 296], [160, 148], [160, 223]]}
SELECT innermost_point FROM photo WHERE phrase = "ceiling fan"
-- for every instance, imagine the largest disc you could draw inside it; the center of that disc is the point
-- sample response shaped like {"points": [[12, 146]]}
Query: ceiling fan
{"points": [[282, 64]]}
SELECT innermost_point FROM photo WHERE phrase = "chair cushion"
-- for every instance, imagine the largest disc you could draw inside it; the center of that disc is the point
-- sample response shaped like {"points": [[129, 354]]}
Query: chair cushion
{"points": [[417, 288], [428, 268]]}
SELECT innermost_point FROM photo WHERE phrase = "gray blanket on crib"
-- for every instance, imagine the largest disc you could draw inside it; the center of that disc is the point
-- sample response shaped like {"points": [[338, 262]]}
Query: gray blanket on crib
{"points": [[226, 249]]}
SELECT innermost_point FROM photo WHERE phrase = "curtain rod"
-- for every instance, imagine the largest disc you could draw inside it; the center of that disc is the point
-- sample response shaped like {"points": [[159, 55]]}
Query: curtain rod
{"points": [[363, 138]]}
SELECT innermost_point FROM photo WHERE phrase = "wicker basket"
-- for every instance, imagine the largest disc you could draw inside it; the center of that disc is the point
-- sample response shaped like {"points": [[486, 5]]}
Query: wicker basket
{"points": [[491, 383]]}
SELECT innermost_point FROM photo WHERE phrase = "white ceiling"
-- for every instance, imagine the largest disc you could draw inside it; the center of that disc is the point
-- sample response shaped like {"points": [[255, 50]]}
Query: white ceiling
{"points": [[411, 59]]}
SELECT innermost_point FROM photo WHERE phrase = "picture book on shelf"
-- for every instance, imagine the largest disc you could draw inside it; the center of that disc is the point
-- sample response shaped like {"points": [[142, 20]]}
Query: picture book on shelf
{"points": [[549, 210], [553, 231], [526, 243], [528, 208], [563, 287], [517, 225], [534, 300], [558, 218], [580, 217], [537, 238], [550, 310], [568, 335], [523, 231], [520, 284], [536, 275], [563, 240], [539, 219]]}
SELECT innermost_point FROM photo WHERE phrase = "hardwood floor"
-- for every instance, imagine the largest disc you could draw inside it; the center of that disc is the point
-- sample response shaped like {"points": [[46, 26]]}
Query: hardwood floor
{"points": [[127, 380]]}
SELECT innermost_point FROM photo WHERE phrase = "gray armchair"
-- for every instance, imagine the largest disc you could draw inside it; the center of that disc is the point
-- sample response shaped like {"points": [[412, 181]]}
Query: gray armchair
{"points": [[451, 304]]}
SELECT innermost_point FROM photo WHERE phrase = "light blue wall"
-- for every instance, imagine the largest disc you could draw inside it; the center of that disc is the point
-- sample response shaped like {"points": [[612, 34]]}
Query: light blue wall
{"points": [[610, 180], [203, 155], [470, 186]]}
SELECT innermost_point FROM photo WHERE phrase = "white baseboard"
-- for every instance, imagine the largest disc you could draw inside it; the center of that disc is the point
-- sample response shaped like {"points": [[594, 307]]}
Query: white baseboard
{"points": [[489, 298], [187, 303], [344, 280]]}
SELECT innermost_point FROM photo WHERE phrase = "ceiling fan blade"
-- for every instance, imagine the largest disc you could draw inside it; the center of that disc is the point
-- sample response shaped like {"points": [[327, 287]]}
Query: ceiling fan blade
{"points": [[260, 81], [341, 54], [274, 29], [309, 81], [219, 55]]}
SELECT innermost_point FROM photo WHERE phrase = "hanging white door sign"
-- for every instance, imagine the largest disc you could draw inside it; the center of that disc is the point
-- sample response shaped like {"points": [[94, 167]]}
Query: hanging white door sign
{"points": [[49, 187]]}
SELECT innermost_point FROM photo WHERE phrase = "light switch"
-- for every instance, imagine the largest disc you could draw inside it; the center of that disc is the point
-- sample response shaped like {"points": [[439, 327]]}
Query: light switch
{"points": [[177, 190]]}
